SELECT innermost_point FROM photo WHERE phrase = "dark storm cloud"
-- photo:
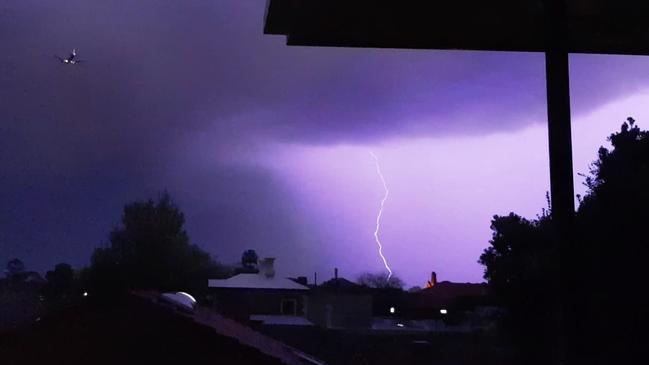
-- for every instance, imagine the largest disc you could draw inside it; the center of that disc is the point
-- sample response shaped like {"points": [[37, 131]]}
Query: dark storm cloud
{"points": [[157, 69], [235, 208], [45, 220]]}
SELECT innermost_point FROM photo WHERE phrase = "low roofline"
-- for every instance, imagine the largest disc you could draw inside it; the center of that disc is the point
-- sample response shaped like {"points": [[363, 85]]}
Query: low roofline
{"points": [[255, 281]]}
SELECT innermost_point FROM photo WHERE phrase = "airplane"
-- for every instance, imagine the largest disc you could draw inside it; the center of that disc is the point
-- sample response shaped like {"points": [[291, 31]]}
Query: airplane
{"points": [[71, 59]]}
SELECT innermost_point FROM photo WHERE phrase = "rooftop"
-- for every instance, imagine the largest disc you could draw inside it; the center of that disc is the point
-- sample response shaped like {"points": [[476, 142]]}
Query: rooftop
{"points": [[281, 320], [342, 285], [256, 281], [125, 330], [447, 293]]}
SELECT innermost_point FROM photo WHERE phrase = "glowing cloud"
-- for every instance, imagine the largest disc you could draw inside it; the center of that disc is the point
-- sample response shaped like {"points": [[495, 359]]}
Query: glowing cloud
{"points": [[378, 217]]}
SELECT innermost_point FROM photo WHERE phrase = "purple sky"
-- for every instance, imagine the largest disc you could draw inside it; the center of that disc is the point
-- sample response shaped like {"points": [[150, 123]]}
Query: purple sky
{"points": [[266, 146]]}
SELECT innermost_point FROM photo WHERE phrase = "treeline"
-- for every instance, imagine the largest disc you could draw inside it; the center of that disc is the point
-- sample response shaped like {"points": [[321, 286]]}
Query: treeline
{"points": [[605, 315], [149, 250]]}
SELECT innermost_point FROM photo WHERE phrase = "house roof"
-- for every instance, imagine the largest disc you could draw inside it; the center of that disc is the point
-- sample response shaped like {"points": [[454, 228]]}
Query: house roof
{"points": [[446, 293], [97, 333], [281, 320], [341, 285], [256, 281]]}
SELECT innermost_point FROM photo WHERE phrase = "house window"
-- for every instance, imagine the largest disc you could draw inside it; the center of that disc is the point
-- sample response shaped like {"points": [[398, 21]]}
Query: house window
{"points": [[289, 307]]}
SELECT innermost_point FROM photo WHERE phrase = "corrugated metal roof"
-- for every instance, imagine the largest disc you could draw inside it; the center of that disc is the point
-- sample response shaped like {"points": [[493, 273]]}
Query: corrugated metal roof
{"points": [[256, 281]]}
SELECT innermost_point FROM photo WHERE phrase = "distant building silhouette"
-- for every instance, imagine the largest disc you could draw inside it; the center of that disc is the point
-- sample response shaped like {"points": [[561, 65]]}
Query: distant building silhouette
{"points": [[340, 303], [261, 296]]}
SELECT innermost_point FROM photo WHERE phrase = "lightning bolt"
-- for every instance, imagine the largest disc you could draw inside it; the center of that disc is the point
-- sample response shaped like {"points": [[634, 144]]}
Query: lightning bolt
{"points": [[378, 217]]}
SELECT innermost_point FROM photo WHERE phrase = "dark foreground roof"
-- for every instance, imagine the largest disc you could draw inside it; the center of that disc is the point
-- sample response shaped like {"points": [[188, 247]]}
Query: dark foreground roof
{"points": [[620, 26], [131, 330]]}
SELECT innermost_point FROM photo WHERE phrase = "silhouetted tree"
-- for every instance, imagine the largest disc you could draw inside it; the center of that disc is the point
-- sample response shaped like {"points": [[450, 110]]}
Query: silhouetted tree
{"points": [[613, 248], [380, 281], [387, 294], [17, 275], [62, 287], [609, 254], [151, 250], [14, 267], [249, 259], [61, 280], [519, 266]]}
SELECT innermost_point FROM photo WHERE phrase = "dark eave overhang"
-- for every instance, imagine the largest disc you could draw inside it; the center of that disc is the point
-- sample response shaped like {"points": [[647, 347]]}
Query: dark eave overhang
{"points": [[583, 26]]}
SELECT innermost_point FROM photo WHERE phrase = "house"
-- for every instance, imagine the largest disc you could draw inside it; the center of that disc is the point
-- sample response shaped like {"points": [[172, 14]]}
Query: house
{"points": [[445, 306], [339, 303], [439, 298], [261, 297]]}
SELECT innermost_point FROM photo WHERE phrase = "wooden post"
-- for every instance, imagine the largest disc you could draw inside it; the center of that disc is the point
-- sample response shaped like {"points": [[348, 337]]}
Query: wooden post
{"points": [[562, 193], [560, 137]]}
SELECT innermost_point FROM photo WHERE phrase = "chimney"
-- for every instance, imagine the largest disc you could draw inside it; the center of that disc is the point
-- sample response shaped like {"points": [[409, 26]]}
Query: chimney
{"points": [[336, 273], [315, 279], [267, 267], [301, 280], [433, 279]]}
